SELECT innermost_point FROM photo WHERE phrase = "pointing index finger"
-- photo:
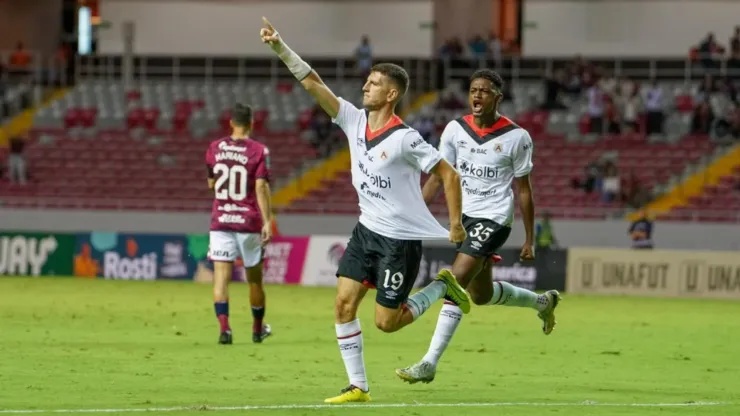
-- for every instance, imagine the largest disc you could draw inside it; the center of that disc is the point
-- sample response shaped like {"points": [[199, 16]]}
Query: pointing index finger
{"points": [[267, 23]]}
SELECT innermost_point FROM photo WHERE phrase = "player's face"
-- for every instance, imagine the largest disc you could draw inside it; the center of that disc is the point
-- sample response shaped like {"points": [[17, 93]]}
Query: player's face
{"points": [[378, 91], [483, 97]]}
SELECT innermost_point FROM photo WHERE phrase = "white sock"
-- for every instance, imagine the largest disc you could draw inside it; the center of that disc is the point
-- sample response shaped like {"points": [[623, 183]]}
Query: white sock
{"points": [[449, 319], [349, 336], [419, 302], [506, 294]]}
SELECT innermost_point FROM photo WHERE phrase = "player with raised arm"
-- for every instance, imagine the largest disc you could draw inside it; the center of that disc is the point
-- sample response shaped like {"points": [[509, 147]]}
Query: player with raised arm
{"points": [[241, 218], [384, 250], [490, 152]]}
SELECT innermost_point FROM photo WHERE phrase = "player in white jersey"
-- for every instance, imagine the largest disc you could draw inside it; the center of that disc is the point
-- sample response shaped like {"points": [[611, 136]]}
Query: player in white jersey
{"points": [[490, 152], [384, 250]]}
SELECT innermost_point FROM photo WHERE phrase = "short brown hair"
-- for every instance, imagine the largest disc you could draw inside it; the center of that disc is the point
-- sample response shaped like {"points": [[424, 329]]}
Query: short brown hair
{"points": [[397, 74], [241, 115]]}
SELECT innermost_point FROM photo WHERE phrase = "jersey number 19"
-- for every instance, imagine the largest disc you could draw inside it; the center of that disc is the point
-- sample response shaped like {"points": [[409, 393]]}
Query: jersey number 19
{"points": [[231, 182]]}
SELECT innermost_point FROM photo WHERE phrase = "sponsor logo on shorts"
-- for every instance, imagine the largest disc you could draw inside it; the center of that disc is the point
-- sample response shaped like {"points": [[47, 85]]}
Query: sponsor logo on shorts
{"points": [[476, 245], [220, 253], [233, 208], [231, 219]]}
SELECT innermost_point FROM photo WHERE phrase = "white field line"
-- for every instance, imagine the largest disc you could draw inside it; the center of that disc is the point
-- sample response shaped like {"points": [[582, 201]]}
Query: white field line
{"points": [[355, 406]]}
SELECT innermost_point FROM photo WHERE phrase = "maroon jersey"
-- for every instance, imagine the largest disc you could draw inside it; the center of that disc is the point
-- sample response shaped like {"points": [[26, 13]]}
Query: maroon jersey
{"points": [[236, 165]]}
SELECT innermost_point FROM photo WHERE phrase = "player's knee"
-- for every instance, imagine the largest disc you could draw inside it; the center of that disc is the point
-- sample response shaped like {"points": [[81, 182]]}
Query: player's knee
{"points": [[344, 309], [387, 323], [479, 298]]}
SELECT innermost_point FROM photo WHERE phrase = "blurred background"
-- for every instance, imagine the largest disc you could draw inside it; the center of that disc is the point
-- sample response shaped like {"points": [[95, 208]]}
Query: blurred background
{"points": [[107, 107]]}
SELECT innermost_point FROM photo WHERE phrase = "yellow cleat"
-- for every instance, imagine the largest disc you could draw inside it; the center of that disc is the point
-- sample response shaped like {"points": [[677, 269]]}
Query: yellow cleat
{"points": [[455, 292], [350, 394]]}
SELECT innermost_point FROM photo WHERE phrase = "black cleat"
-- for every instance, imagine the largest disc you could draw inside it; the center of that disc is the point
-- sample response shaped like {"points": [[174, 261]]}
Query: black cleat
{"points": [[258, 337], [226, 338]]}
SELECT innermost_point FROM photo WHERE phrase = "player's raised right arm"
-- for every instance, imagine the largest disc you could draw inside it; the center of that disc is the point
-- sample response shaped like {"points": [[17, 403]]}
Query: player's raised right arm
{"points": [[301, 70]]}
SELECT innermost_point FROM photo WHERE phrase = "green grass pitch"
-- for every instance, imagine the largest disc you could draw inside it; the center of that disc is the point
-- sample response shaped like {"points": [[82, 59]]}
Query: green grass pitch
{"points": [[99, 345]]}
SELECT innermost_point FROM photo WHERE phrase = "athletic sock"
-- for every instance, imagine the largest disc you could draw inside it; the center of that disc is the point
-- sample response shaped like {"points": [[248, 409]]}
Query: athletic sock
{"points": [[419, 302], [222, 313], [449, 319], [506, 294], [349, 336], [258, 313]]}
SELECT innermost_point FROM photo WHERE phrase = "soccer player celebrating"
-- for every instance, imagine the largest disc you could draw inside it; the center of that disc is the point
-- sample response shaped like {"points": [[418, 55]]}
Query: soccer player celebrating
{"points": [[490, 152], [241, 218], [384, 250]]}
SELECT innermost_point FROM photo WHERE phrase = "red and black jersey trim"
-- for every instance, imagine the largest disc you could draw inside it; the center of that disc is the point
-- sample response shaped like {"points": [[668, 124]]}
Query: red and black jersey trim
{"points": [[374, 138], [483, 136]]}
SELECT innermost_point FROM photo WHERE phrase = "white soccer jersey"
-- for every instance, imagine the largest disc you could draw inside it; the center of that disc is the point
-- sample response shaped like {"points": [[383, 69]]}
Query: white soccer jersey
{"points": [[386, 172], [488, 160]]}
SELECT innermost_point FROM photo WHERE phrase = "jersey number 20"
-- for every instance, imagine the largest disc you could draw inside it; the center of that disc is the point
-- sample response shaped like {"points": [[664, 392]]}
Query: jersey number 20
{"points": [[236, 176]]}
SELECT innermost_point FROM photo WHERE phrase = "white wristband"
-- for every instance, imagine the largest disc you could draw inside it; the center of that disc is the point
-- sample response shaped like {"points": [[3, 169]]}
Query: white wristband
{"points": [[295, 64]]}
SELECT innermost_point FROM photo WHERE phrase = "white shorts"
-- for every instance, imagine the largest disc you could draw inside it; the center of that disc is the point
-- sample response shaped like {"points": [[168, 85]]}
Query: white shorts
{"points": [[227, 246]]}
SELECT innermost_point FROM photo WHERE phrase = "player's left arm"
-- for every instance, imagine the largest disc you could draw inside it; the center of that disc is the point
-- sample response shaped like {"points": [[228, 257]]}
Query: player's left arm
{"points": [[425, 157], [210, 161], [264, 195], [522, 161]]}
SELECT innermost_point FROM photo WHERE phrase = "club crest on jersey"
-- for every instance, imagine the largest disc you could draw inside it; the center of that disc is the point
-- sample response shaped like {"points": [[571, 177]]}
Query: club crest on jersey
{"points": [[497, 149], [383, 156]]}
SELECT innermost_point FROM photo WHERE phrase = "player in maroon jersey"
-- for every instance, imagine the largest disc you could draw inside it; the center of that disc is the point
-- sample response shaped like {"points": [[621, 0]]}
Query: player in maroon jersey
{"points": [[241, 217]]}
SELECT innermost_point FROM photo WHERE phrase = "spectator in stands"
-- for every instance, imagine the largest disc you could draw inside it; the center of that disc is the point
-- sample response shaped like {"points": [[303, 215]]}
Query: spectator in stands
{"points": [[633, 193], [607, 82], [709, 52], [554, 85], [631, 107], [364, 57], [735, 42], [707, 88], [495, 48], [451, 49], [596, 109], [478, 47], [654, 107], [20, 59], [544, 235], [449, 100], [613, 117], [324, 135], [17, 161], [610, 184], [722, 108], [426, 127], [701, 122], [591, 180], [641, 232]]}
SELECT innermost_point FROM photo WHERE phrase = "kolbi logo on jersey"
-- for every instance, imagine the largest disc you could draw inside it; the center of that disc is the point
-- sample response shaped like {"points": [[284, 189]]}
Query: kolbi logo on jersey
{"points": [[375, 180], [480, 171], [231, 219]]}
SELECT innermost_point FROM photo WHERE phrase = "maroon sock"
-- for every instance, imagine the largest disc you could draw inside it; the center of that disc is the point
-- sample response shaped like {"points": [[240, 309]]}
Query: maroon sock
{"points": [[223, 320], [222, 313]]}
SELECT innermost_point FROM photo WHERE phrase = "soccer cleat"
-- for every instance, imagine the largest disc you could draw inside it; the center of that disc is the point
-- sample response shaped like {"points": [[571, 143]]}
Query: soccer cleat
{"points": [[421, 371], [226, 338], [548, 315], [258, 337], [350, 394], [455, 292]]}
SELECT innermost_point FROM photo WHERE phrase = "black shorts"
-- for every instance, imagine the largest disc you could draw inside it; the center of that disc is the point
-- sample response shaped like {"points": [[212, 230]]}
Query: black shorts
{"points": [[483, 238], [387, 264]]}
